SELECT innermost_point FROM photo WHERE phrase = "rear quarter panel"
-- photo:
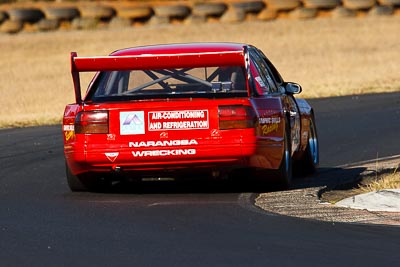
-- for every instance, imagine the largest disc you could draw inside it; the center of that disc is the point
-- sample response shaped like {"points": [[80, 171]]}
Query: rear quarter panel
{"points": [[70, 113], [270, 130], [74, 146]]}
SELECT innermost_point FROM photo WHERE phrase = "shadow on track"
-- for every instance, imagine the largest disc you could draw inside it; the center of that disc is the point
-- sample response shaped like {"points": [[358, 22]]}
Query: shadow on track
{"points": [[324, 177], [330, 178]]}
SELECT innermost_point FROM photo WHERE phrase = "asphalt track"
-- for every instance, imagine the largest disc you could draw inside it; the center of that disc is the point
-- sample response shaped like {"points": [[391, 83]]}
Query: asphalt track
{"points": [[190, 224]]}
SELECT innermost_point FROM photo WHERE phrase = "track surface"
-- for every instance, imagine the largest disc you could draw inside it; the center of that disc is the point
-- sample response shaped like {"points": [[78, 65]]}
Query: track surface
{"points": [[196, 224]]}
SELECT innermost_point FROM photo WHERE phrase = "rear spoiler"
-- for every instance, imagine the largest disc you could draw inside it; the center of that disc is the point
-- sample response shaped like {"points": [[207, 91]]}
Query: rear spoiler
{"points": [[143, 62]]}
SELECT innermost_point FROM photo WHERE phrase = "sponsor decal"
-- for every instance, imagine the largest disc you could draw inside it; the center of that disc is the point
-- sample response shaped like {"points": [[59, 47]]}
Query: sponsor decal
{"points": [[164, 153], [269, 128], [69, 128], [274, 120], [163, 143], [110, 137], [269, 125], [68, 135], [131, 122], [177, 120], [163, 135], [69, 131], [112, 156], [215, 133], [260, 81]]}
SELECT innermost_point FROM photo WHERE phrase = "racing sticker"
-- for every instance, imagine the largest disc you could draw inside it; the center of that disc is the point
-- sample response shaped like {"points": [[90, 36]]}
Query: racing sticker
{"points": [[164, 152], [112, 156], [110, 137], [69, 131], [260, 81], [131, 122], [269, 125], [177, 120]]}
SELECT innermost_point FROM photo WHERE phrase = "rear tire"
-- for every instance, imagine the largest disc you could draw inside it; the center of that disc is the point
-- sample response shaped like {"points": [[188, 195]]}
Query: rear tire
{"points": [[285, 171], [74, 182], [279, 179], [308, 163], [98, 182]]}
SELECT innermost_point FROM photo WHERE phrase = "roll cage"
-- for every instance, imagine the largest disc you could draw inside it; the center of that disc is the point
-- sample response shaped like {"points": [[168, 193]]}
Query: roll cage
{"points": [[169, 64]]}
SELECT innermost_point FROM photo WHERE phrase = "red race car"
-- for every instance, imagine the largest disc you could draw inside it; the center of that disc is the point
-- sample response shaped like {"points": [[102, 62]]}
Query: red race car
{"points": [[180, 109]]}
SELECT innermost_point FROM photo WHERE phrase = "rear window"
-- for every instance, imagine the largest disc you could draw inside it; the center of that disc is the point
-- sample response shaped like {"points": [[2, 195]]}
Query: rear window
{"points": [[169, 83]]}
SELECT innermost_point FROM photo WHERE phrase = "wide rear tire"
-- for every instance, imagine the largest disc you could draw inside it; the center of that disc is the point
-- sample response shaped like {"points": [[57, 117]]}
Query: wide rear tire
{"points": [[281, 178], [309, 162], [74, 182], [88, 182], [285, 171]]}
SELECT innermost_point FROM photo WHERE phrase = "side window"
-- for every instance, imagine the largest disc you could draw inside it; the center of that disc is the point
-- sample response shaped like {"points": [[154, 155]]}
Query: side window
{"points": [[259, 79], [262, 68], [275, 72], [272, 69]]}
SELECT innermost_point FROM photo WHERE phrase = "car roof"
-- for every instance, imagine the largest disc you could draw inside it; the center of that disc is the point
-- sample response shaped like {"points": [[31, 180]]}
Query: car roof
{"points": [[182, 48]]}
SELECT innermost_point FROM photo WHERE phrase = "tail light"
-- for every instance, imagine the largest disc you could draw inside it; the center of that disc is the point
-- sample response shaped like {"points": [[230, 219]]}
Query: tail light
{"points": [[91, 122], [236, 117]]}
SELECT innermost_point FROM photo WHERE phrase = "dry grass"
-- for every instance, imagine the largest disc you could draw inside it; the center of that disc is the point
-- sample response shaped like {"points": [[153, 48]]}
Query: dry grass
{"points": [[328, 57], [379, 179], [384, 181]]}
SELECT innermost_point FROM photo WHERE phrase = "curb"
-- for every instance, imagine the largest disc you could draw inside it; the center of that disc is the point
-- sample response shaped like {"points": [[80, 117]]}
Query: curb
{"points": [[304, 202]]}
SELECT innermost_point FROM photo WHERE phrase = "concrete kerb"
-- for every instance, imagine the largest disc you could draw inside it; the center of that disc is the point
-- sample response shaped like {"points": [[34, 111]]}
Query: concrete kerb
{"points": [[304, 200], [381, 200]]}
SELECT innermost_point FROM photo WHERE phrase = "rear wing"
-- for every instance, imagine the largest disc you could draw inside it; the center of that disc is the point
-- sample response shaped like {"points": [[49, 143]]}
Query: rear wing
{"points": [[148, 62]]}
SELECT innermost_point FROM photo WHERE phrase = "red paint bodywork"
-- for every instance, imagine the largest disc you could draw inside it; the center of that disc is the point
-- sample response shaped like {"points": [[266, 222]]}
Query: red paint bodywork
{"points": [[208, 148]]}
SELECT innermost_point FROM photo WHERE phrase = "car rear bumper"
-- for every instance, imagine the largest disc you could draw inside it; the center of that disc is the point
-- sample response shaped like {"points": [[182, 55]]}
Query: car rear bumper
{"points": [[209, 157]]}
